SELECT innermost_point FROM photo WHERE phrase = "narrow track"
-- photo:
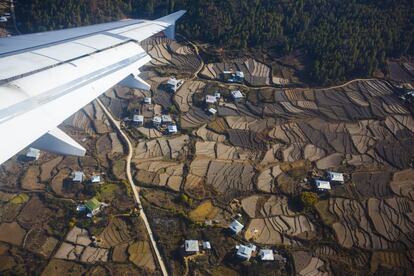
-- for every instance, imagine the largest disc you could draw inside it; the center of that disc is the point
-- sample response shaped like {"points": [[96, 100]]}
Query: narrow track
{"points": [[135, 188]]}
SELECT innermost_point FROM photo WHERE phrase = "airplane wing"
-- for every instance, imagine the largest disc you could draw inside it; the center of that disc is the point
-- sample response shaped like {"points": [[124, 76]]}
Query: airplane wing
{"points": [[47, 77]]}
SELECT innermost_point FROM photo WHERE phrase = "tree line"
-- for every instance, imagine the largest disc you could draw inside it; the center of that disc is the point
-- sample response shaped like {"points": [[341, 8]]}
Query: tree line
{"points": [[342, 39]]}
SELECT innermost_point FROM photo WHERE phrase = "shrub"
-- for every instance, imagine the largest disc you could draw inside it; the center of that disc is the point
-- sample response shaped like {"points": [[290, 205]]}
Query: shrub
{"points": [[309, 199]]}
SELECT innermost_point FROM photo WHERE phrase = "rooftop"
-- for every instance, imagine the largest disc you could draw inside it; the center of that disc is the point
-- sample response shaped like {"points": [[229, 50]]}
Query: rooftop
{"points": [[212, 110], [323, 185], [138, 119], [211, 99], [236, 94], [173, 82], [266, 255], [93, 204], [191, 246], [166, 118], [157, 119], [236, 226], [245, 251], [206, 245], [172, 129], [96, 179], [335, 176], [33, 153], [240, 74], [77, 176]]}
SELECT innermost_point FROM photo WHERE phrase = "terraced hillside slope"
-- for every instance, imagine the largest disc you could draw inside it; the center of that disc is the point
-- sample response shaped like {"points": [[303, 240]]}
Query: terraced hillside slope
{"points": [[255, 160]]}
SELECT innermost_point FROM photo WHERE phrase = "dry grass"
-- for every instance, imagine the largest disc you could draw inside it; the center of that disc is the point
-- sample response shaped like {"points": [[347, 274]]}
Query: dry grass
{"points": [[204, 211], [223, 270], [140, 254], [219, 126], [322, 208]]}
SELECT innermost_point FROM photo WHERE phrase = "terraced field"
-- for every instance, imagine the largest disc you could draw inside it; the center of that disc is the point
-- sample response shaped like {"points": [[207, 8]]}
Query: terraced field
{"points": [[48, 233], [178, 57], [264, 152], [373, 224], [272, 222]]}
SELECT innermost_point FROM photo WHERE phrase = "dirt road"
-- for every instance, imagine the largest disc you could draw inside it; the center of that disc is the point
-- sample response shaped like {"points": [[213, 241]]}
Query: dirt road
{"points": [[134, 188]]}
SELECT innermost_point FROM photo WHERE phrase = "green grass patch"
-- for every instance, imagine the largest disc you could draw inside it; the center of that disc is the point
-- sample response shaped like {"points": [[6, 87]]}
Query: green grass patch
{"points": [[107, 192]]}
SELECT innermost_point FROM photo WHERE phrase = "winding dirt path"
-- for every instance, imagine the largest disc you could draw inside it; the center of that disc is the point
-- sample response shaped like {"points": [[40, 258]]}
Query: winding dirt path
{"points": [[135, 188]]}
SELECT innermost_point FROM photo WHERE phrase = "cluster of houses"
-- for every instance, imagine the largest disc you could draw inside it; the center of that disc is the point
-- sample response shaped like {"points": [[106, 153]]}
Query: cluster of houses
{"points": [[163, 123], [79, 177], [92, 206], [212, 101], [245, 252], [324, 184], [242, 252], [193, 247], [233, 76]]}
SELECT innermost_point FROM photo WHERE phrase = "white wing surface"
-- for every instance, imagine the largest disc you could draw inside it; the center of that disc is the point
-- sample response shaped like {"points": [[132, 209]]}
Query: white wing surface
{"points": [[47, 77]]}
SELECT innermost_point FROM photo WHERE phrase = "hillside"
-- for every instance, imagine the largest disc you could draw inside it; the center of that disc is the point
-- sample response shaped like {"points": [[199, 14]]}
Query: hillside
{"points": [[342, 39]]}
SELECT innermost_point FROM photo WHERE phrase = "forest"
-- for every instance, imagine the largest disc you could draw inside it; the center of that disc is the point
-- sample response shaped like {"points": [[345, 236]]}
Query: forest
{"points": [[341, 39]]}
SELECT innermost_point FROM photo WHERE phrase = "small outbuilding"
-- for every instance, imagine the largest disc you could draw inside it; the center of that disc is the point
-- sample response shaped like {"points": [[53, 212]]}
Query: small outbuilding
{"points": [[191, 247], [147, 100], [322, 185], [206, 245], [239, 75], [81, 208], [33, 154], [138, 119], [217, 95], [211, 99], [156, 121], [166, 119], [236, 227], [172, 129], [266, 255], [244, 252], [77, 176], [212, 111], [96, 179], [173, 84], [237, 95], [336, 177]]}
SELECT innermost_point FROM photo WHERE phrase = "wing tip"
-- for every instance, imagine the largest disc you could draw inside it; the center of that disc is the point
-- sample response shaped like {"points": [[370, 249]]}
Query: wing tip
{"points": [[171, 18]]}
